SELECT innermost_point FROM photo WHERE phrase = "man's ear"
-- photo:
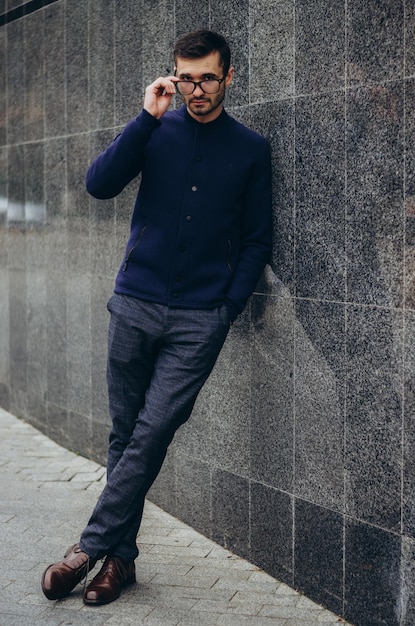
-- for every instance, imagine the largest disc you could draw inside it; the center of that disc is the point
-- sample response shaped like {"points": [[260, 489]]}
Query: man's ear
{"points": [[229, 76]]}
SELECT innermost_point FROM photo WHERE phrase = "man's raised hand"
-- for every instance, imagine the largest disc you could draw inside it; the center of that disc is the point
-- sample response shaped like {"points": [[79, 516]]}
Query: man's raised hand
{"points": [[158, 95]]}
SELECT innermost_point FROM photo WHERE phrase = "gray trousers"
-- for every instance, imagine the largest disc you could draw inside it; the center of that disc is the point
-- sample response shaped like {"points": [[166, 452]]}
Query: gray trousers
{"points": [[158, 360]]}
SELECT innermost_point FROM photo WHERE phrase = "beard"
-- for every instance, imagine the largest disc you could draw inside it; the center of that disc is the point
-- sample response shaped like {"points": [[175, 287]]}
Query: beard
{"points": [[206, 104]]}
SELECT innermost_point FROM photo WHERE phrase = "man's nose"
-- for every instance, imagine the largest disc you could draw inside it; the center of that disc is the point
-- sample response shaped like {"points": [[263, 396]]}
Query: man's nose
{"points": [[198, 91]]}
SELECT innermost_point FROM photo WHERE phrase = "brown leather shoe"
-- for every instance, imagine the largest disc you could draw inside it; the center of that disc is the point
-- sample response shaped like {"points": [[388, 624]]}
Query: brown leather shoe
{"points": [[59, 579], [114, 575]]}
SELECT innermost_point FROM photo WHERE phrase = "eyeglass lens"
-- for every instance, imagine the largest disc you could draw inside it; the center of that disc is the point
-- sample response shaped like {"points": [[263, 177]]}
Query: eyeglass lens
{"points": [[186, 87]]}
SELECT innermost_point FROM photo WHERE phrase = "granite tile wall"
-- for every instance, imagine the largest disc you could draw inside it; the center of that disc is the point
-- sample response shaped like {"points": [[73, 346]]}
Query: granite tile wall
{"points": [[299, 454]]}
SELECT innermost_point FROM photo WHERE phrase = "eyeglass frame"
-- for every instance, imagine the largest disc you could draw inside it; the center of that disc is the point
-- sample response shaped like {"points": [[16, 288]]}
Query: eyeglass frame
{"points": [[198, 83]]}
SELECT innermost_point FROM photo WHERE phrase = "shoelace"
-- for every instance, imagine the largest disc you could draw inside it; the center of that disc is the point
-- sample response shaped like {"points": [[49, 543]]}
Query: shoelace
{"points": [[112, 568], [84, 579], [77, 562]]}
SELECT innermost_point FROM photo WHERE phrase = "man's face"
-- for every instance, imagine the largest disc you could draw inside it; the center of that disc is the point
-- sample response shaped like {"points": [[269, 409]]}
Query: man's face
{"points": [[204, 107]]}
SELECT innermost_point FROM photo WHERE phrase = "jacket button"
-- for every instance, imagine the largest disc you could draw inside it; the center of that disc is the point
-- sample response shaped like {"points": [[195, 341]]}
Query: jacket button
{"points": [[189, 218], [194, 188]]}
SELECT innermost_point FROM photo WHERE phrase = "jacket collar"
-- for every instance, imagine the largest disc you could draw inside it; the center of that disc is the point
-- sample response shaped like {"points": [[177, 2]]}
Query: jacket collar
{"points": [[218, 121]]}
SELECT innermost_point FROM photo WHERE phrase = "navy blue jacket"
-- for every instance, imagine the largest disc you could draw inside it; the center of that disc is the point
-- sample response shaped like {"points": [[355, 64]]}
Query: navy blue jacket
{"points": [[201, 226]]}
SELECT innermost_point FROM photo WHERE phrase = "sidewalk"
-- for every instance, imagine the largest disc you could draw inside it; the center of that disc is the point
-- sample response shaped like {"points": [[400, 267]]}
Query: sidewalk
{"points": [[184, 579]]}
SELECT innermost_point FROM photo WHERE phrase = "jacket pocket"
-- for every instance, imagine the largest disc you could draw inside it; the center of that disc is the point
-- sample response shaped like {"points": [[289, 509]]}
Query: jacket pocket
{"points": [[229, 257], [133, 248]]}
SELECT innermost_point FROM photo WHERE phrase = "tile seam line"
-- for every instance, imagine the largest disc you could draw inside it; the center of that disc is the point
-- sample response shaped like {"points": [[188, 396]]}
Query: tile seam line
{"points": [[293, 496], [345, 316], [405, 283]]}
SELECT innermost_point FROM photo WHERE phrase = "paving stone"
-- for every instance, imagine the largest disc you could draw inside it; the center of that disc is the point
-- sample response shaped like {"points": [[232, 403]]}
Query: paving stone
{"points": [[184, 579]]}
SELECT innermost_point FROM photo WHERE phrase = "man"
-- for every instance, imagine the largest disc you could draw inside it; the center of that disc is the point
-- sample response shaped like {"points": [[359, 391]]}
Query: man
{"points": [[200, 238]]}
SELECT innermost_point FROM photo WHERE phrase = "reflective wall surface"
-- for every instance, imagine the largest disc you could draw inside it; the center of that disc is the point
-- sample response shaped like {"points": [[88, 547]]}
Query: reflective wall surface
{"points": [[300, 452]]}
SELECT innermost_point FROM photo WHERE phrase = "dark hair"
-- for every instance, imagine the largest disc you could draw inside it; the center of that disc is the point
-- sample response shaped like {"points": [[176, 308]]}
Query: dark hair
{"points": [[200, 43]]}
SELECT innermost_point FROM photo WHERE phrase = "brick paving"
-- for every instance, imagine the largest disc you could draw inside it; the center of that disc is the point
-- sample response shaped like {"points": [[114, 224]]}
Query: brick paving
{"points": [[184, 579]]}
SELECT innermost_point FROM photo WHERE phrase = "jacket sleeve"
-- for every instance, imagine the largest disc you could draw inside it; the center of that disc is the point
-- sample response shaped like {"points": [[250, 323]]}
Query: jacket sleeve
{"points": [[256, 236], [123, 160]]}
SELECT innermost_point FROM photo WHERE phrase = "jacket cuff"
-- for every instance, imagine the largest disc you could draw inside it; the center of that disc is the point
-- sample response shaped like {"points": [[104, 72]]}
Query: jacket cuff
{"points": [[233, 312], [147, 120]]}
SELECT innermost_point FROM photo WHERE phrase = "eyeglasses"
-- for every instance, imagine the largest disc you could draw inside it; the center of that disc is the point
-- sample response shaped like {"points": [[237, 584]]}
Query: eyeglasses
{"points": [[186, 87]]}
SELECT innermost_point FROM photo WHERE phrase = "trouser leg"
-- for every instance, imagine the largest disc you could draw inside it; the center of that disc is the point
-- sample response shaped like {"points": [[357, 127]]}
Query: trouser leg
{"points": [[184, 359], [134, 337]]}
